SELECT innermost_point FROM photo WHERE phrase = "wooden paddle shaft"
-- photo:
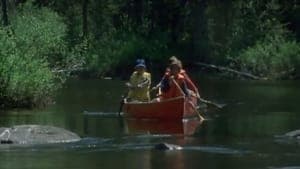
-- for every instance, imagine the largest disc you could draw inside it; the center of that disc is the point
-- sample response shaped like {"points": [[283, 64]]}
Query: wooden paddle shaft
{"points": [[177, 85], [190, 102]]}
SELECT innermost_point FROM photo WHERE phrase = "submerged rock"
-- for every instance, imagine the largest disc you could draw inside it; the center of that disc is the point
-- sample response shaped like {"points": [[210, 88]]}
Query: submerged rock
{"points": [[166, 146], [36, 134], [293, 134]]}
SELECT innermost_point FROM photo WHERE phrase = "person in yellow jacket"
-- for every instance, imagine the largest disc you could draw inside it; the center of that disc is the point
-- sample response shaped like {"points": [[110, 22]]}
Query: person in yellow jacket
{"points": [[139, 83]]}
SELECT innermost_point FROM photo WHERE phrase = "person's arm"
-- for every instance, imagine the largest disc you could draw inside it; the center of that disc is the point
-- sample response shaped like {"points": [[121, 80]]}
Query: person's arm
{"points": [[132, 84], [146, 82], [160, 83], [190, 84], [165, 85], [150, 81], [185, 89], [181, 85]]}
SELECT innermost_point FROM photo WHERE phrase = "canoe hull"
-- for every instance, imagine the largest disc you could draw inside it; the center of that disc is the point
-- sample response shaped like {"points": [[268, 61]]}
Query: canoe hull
{"points": [[174, 108]]}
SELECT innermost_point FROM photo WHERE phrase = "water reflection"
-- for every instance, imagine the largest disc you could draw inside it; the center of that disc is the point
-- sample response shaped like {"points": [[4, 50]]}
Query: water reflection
{"points": [[184, 127], [241, 135]]}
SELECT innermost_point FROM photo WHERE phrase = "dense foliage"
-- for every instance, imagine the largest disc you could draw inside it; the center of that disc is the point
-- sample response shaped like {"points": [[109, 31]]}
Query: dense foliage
{"points": [[220, 32], [26, 54], [43, 41]]}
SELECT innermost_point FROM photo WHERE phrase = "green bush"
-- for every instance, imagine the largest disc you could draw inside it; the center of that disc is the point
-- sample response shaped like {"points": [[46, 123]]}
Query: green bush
{"points": [[29, 50], [275, 57], [40, 32]]}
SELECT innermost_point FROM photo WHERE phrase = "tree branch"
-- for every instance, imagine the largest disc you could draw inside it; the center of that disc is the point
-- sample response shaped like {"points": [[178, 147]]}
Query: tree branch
{"points": [[221, 68]]}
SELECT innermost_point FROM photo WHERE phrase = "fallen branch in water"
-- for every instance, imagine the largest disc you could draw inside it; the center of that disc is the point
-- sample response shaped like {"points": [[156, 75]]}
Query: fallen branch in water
{"points": [[222, 68], [210, 103]]}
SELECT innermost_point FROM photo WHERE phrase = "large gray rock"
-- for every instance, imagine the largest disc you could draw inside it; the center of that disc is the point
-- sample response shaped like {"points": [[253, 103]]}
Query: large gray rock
{"points": [[293, 134], [36, 134]]}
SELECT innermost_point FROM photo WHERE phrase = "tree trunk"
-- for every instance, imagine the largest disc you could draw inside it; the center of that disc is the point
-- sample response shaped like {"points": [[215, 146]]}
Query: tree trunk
{"points": [[138, 11], [226, 69], [4, 13], [84, 18], [175, 23], [199, 39]]}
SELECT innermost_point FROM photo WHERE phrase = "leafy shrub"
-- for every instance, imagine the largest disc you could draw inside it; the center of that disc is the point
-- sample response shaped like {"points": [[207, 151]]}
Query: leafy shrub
{"points": [[28, 50], [40, 32], [275, 57]]}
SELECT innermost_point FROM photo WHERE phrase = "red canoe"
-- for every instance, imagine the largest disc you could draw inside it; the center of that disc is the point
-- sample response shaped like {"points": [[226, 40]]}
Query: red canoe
{"points": [[174, 108]]}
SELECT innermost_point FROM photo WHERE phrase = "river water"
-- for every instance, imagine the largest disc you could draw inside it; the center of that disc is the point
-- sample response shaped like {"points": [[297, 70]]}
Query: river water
{"points": [[242, 135]]}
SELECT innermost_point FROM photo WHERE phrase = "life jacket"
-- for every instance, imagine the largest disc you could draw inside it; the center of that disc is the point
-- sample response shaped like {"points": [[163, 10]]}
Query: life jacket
{"points": [[170, 89], [189, 83]]}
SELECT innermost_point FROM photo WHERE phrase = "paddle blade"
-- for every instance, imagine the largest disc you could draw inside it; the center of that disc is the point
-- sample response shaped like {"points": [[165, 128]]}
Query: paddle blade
{"points": [[210, 103]]}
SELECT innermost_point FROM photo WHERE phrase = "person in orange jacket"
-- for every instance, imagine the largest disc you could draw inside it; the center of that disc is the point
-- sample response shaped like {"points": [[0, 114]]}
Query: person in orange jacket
{"points": [[173, 83], [189, 83]]}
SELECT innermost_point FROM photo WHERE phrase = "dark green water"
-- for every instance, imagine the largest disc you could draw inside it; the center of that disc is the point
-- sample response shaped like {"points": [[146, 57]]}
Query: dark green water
{"points": [[240, 136]]}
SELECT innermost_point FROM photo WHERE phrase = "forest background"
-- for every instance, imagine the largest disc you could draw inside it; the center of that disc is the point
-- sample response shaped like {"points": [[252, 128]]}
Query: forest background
{"points": [[43, 42]]}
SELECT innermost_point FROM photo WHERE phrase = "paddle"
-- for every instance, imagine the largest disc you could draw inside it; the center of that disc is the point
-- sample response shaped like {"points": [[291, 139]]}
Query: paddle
{"points": [[201, 118], [124, 96], [210, 103]]}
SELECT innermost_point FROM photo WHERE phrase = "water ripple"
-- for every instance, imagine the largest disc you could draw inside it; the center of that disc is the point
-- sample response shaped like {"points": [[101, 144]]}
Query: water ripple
{"points": [[216, 150], [102, 114], [87, 145], [287, 167]]}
